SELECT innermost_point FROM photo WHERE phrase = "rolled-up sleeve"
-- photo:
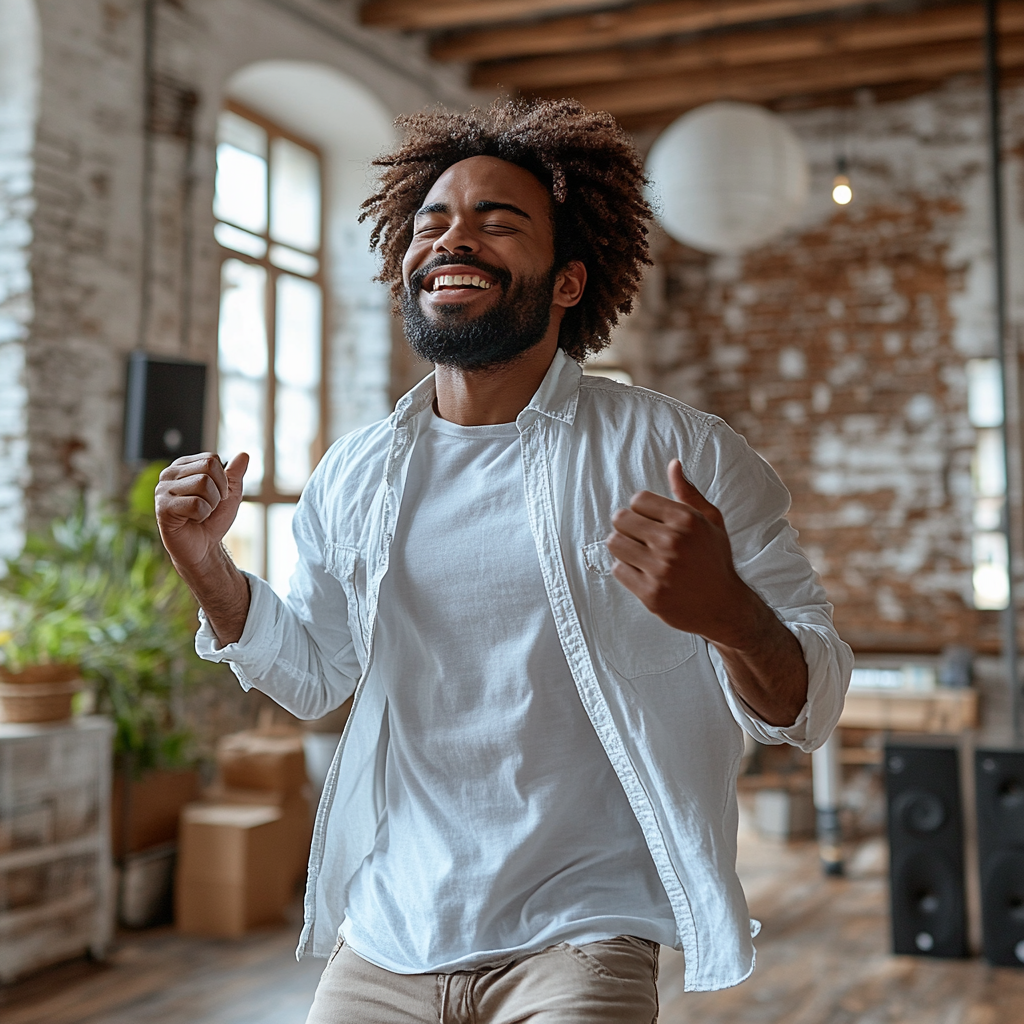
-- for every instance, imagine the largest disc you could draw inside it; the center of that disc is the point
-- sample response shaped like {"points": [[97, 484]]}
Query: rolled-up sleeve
{"points": [[754, 502], [298, 651]]}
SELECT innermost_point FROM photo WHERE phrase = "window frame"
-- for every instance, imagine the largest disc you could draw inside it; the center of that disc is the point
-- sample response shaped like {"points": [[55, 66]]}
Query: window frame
{"points": [[268, 493]]}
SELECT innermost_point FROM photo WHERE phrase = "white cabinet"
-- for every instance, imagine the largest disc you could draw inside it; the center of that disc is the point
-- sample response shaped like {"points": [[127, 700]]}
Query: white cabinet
{"points": [[56, 897]]}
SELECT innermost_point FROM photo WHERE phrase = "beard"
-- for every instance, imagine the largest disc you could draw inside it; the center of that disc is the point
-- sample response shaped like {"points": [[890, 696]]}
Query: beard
{"points": [[514, 324]]}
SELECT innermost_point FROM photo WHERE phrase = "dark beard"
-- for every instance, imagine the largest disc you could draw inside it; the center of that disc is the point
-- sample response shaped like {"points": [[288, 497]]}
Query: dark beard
{"points": [[513, 325]]}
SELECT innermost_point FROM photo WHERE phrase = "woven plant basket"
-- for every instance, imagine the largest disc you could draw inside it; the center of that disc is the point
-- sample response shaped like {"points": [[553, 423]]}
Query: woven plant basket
{"points": [[42, 693]]}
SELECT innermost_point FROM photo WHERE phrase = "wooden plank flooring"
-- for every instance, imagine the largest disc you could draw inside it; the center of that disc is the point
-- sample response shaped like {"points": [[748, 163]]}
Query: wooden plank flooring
{"points": [[822, 959]]}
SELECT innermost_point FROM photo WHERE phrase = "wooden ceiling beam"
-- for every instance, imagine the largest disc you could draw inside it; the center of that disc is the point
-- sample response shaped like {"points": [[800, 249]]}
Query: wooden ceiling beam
{"points": [[736, 49], [765, 82], [624, 25], [409, 15]]}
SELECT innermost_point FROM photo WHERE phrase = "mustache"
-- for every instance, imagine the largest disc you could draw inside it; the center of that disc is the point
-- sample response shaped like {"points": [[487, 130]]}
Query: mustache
{"points": [[416, 279]]}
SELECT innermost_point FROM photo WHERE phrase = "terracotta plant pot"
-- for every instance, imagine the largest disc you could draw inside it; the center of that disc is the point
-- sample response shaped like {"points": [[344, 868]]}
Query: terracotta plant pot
{"points": [[40, 693]]}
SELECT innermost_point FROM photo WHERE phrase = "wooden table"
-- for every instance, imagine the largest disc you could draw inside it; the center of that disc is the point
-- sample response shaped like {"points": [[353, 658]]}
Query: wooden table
{"points": [[929, 711]]}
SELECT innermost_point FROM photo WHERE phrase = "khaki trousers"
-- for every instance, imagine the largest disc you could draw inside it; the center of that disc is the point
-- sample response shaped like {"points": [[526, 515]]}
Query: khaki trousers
{"points": [[611, 982]]}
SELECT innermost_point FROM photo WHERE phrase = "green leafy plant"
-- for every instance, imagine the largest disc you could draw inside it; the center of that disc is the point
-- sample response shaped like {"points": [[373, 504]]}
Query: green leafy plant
{"points": [[98, 590]]}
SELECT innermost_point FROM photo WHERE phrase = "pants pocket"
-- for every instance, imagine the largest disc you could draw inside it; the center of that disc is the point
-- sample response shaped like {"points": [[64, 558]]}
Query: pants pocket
{"points": [[335, 951], [585, 959]]}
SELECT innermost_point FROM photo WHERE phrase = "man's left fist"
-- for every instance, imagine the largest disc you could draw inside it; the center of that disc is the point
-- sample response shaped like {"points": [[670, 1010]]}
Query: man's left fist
{"points": [[676, 557]]}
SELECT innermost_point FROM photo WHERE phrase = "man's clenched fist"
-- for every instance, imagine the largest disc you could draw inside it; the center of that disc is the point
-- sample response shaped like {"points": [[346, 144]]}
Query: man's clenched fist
{"points": [[675, 556], [197, 499]]}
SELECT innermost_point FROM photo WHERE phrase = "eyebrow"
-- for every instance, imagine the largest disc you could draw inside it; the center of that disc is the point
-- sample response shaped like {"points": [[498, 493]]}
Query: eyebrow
{"points": [[484, 206]]}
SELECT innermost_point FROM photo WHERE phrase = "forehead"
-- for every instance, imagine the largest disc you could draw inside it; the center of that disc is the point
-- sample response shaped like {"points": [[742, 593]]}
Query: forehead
{"points": [[489, 179]]}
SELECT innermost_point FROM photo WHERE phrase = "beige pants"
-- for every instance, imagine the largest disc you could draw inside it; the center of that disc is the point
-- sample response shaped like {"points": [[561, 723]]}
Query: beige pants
{"points": [[611, 982]]}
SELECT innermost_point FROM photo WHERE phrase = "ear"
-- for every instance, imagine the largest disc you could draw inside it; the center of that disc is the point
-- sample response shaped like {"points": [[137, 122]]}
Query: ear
{"points": [[569, 284]]}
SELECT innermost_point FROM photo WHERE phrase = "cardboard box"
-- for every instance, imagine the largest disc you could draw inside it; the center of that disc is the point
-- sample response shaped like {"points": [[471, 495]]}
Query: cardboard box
{"points": [[268, 759], [296, 819], [233, 869]]}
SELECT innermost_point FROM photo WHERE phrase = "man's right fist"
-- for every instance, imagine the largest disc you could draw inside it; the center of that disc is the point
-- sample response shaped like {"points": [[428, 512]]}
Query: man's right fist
{"points": [[197, 499]]}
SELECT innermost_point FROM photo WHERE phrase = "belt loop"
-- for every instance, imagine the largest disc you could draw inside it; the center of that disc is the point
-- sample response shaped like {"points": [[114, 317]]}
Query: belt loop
{"points": [[444, 980]]}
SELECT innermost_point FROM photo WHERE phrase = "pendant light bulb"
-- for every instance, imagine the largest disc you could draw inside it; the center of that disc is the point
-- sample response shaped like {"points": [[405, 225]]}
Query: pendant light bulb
{"points": [[842, 192]]}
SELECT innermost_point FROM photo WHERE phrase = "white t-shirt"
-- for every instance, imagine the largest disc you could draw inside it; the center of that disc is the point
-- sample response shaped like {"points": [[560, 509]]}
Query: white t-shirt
{"points": [[506, 829]]}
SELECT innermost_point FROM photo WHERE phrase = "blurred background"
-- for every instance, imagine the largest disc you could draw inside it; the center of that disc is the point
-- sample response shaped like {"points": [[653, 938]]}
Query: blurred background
{"points": [[838, 254]]}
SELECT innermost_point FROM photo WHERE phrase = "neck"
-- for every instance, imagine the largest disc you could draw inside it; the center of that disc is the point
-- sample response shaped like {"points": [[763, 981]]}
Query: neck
{"points": [[475, 398]]}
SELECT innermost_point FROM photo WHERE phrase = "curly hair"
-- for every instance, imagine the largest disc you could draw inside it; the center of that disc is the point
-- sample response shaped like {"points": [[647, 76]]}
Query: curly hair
{"points": [[588, 165]]}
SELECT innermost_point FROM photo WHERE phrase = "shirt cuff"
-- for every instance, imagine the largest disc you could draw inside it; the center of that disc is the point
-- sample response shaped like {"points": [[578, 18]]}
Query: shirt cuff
{"points": [[256, 650], [829, 662]]}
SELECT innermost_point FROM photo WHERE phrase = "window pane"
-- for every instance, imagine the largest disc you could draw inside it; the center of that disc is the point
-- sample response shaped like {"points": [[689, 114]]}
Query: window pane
{"points": [[244, 540], [242, 336], [241, 133], [239, 240], [295, 435], [294, 195], [282, 554], [988, 513], [984, 392], [989, 465], [297, 367], [240, 193], [291, 259], [299, 320], [242, 364], [991, 580]]}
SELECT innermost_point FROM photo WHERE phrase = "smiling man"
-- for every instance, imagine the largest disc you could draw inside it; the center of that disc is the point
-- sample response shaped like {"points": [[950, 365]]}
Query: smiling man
{"points": [[557, 599]]}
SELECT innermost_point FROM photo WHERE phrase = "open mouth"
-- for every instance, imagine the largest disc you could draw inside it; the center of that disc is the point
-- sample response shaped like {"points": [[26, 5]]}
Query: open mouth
{"points": [[442, 280]]}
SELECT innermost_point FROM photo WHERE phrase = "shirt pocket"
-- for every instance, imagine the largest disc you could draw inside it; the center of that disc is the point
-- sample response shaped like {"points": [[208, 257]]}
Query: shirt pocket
{"points": [[343, 563], [634, 641]]}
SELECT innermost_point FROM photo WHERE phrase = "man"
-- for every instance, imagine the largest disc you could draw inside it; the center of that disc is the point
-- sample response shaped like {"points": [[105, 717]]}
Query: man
{"points": [[551, 656]]}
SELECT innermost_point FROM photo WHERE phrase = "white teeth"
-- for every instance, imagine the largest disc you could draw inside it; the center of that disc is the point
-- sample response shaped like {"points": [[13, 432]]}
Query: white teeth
{"points": [[459, 280]]}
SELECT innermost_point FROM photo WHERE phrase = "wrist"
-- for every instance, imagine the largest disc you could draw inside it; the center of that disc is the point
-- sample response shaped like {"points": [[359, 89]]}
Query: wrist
{"points": [[750, 623]]}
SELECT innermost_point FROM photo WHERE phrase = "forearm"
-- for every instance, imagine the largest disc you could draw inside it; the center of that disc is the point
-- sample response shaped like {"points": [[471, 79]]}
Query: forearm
{"points": [[308, 670], [765, 663], [222, 592]]}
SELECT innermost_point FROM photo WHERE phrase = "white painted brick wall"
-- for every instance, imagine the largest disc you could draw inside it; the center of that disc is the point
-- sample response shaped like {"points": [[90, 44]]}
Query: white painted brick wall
{"points": [[82, 304], [19, 54]]}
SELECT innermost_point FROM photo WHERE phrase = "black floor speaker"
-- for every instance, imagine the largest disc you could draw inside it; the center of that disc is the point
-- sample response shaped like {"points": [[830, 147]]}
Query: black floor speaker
{"points": [[163, 416], [926, 848], [999, 782]]}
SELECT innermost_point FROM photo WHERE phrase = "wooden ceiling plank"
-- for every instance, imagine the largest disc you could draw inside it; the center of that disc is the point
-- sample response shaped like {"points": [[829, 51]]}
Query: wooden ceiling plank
{"points": [[409, 15], [630, 24], [761, 83], [742, 48]]}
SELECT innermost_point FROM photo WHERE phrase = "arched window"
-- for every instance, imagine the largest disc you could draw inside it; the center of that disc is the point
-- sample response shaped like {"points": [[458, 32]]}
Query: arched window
{"points": [[269, 225]]}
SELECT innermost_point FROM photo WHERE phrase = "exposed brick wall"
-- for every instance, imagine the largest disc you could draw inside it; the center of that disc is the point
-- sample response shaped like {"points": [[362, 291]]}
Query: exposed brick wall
{"points": [[19, 59], [833, 355], [79, 211], [839, 352]]}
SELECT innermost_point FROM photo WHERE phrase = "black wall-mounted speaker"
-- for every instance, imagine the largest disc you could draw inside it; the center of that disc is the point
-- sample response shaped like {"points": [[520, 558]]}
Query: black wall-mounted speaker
{"points": [[926, 847], [163, 413], [999, 785]]}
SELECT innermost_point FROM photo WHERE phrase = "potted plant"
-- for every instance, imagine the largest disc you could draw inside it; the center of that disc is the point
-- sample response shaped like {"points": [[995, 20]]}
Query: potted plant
{"points": [[50, 625], [96, 597]]}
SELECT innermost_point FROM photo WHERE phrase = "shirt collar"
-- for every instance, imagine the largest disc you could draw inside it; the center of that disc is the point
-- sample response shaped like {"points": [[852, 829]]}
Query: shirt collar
{"points": [[556, 397], [559, 391]]}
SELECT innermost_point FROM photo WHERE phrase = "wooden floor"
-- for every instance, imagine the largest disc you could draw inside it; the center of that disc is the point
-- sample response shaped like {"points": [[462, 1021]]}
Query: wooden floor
{"points": [[821, 960]]}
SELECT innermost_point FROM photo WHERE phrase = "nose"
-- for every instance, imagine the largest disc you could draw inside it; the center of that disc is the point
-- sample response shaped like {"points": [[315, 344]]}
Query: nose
{"points": [[456, 239]]}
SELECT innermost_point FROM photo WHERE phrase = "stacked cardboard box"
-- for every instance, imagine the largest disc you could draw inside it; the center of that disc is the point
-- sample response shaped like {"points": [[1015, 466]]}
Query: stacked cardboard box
{"points": [[246, 845], [229, 869]]}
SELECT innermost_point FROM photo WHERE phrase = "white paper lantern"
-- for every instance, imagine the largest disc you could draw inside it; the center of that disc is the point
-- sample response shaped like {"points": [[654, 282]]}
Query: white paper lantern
{"points": [[727, 177]]}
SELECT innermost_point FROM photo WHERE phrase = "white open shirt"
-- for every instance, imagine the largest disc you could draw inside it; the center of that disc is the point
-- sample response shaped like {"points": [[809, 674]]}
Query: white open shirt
{"points": [[659, 699]]}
